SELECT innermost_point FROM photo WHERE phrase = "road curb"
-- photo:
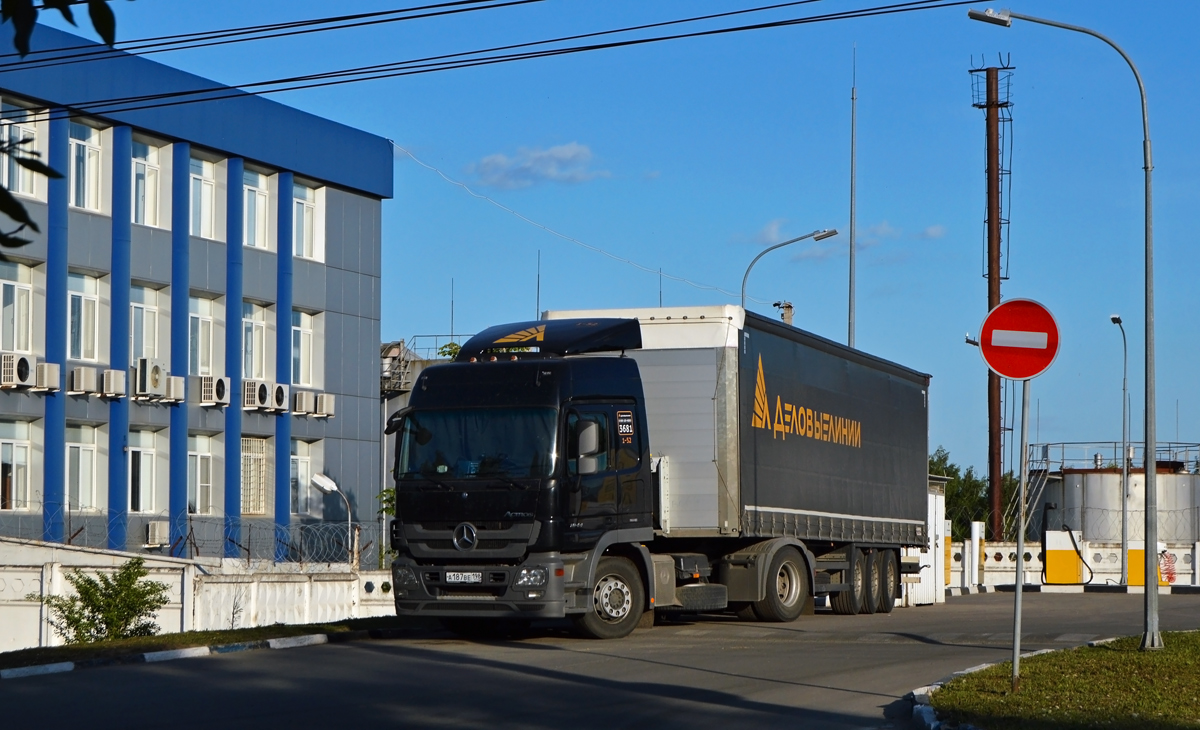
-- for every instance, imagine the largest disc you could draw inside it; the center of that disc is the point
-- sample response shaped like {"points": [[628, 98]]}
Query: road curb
{"points": [[925, 716], [289, 642], [969, 590]]}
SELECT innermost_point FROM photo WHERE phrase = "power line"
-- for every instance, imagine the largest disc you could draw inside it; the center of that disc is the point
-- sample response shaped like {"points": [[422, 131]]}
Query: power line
{"points": [[565, 237], [456, 60]]}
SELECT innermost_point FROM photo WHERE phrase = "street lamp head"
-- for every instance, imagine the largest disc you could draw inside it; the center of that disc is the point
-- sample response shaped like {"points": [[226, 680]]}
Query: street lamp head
{"points": [[1116, 319], [991, 16], [827, 233], [324, 484]]}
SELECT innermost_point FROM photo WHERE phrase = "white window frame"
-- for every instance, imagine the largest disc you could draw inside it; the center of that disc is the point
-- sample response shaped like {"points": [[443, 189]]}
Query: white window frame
{"points": [[300, 475], [85, 162], [146, 205], [14, 475], [200, 475], [203, 199], [145, 455], [81, 497], [256, 474], [17, 127], [254, 341], [85, 322], [255, 215], [303, 345], [149, 317], [16, 308], [200, 335], [306, 221]]}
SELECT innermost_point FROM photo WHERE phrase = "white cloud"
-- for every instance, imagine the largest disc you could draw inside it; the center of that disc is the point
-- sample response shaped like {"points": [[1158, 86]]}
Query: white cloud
{"points": [[770, 234], [932, 232], [565, 163]]}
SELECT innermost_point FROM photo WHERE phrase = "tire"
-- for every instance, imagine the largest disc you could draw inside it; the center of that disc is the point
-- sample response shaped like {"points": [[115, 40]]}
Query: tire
{"points": [[871, 582], [787, 588], [745, 611], [888, 575], [484, 629], [850, 601], [618, 600]]}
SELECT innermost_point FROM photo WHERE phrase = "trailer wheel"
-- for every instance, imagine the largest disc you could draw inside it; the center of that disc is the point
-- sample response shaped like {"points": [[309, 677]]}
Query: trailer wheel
{"points": [[787, 588], [887, 574], [871, 582], [850, 601], [618, 600]]}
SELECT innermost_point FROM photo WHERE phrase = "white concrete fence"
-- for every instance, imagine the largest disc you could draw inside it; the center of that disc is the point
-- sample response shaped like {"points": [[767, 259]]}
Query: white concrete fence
{"points": [[204, 593]]}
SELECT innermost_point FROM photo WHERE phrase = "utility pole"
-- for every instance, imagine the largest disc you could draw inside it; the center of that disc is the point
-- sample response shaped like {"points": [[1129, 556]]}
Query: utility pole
{"points": [[853, 127], [992, 105]]}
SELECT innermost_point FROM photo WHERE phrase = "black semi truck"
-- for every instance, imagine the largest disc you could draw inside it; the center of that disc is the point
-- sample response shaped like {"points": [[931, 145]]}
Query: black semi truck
{"points": [[601, 465]]}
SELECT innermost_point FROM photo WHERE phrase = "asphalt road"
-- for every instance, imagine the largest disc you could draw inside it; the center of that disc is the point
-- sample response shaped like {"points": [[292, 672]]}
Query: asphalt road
{"points": [[823, 671]]}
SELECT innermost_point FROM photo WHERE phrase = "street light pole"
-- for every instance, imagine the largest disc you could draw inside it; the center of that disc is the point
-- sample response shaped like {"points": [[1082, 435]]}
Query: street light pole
{"points": [[1151, 638], [1116, 319], [815, 235]]}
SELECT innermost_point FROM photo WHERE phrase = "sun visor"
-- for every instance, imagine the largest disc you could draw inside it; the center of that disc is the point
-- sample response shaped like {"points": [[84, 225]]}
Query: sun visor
{"points": [[558, 337]]}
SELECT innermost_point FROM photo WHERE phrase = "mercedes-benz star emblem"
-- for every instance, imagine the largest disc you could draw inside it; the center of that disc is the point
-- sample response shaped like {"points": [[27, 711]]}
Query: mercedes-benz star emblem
{"points": [[465, 537]]}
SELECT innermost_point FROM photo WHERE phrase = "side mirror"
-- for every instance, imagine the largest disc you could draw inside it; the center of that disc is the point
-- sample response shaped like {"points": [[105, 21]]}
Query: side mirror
{"points": [[589, 441], [588, 465]]}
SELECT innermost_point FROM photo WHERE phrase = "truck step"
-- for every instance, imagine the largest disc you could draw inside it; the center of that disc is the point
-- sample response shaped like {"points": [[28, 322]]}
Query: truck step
{"points": [[696, 597]]}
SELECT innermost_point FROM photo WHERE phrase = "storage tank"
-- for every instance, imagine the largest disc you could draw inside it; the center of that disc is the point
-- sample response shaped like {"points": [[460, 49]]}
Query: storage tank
{"points": [[1090, 500]]}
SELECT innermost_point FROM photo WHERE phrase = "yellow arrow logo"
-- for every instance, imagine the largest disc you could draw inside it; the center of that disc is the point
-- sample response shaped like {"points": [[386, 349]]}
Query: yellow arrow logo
{"points": [[533, 334]]}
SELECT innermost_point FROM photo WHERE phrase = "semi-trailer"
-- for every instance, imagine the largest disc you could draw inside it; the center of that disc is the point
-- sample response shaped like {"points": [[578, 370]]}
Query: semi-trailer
{"points": [[604, 464]]}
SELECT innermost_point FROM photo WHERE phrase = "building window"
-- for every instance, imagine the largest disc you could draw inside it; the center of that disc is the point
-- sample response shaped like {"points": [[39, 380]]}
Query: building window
{"points": [[255, 476], [145, 184], [301, 474], [85, 166], [16, 307], [204, 195], [83, 306], [14, 465], [143, 324], [254, 341], [141, 471], [304, 223], [254, 217], [302, 347], [200, 336], [199, 475], [18, 128], [81, 468]]}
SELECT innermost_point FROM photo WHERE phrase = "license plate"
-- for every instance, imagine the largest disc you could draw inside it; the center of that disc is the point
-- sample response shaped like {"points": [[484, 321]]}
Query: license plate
{"points": [[464, 577]]}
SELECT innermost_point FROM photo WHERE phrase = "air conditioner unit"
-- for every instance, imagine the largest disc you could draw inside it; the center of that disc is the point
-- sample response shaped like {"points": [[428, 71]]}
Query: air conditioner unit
{"points": [[152, 377], [176, 388], [304, 402], [83, 380], [325, 405], [214, 391], [255, 394], [113, 385], [47, 377], [280, 397], [158, 533], [17, 370]]}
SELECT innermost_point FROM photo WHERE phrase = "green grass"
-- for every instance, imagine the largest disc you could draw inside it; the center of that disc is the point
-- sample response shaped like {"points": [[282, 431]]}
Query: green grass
{"points": [[137, 645], [1110, 686]]}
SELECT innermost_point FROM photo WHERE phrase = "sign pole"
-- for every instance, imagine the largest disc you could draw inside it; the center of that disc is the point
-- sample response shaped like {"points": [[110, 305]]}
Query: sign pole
{"points": [[1020, 582]]}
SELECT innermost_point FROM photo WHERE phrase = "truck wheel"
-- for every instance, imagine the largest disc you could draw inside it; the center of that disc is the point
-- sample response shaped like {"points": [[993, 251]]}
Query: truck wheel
{"points": [[871, 582], [849, 602], [887, 576], [787, 588], [744, 611], [618, 600]]}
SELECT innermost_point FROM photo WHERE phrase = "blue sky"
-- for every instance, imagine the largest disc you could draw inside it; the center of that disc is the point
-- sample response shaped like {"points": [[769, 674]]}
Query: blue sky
{"points": [[692, 155]]}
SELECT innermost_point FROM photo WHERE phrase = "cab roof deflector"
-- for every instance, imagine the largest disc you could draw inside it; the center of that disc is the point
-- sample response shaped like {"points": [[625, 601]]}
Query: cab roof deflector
{"points": [[557, 337]]}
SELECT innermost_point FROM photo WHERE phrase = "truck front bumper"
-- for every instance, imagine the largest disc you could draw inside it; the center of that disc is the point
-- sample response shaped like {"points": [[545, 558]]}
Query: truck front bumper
{"points": [[430, 590]]}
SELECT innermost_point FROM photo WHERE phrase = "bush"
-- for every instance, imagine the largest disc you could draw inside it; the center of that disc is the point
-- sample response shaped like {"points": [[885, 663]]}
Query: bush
{"points": [[107, 607]]}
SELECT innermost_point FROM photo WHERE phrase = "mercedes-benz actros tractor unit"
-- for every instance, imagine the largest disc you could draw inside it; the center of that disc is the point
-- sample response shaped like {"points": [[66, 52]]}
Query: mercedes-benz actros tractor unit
{"points": [[601, 465]]}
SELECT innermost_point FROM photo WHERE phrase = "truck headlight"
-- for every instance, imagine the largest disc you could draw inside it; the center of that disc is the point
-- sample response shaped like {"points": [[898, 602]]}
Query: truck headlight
{"points": [[405, 577], [531, 577]]}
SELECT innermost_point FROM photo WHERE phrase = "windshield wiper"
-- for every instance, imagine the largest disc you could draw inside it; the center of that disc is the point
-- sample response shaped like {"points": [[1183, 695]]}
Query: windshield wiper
{"points": [[511, 484], [440, 484]]}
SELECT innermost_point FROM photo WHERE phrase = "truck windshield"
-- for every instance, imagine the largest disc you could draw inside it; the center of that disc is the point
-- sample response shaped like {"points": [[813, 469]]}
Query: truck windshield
{"points": [[476, 443]]}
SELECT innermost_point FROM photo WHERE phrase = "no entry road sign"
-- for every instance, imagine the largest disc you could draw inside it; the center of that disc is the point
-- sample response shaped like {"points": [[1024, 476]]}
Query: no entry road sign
{"points": [[1019, 339]]}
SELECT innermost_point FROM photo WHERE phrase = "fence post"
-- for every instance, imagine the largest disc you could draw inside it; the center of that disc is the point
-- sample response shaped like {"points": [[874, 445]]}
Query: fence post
{"points": [[354, 556]]}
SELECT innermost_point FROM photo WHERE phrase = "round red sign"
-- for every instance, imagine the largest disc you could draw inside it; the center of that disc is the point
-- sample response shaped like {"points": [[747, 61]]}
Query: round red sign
{"points": [[1019, 339]]}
